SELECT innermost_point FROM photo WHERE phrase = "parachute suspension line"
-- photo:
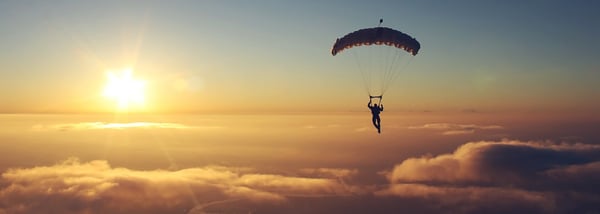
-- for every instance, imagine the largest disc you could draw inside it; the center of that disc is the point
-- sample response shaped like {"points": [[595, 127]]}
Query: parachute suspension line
{"points": [[393, 68], [386, 55], [372, 65], [396, 75], [363, 74], [401, 64], [386, 70], [381, 57]]}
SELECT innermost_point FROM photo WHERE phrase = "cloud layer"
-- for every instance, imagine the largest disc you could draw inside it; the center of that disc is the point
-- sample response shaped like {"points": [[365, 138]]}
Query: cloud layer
{"points": [[103, 125], [455, 129], [479, 177], [96, 187], [507, 176]]}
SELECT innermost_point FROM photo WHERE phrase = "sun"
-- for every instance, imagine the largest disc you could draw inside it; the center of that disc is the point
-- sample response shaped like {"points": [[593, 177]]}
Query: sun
{"points": [[124, 90]]}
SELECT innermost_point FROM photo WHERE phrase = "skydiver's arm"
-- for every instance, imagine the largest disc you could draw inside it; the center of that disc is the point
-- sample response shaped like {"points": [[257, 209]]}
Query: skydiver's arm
{"points": [[381, 107]]}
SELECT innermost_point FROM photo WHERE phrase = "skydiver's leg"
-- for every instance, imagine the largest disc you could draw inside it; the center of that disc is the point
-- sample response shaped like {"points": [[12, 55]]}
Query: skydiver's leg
{"points": [[378, 124], [375, 122]]}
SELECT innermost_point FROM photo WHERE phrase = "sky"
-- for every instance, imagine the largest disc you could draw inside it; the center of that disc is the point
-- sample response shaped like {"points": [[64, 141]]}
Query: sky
{"points": [[231, 56], [240, 107]]}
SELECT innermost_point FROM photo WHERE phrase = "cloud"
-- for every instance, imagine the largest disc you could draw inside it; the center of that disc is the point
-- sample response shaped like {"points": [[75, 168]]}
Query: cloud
{"points": [[322, 126], [96, 187], [542, 177], [455, 129], [329, 172], [118, 126], [362, 129], [507, 176], [474, 199], [458, 132]]}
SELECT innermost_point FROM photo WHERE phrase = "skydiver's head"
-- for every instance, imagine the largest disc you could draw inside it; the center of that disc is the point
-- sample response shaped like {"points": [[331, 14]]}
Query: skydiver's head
{"points": [[375, 105]]}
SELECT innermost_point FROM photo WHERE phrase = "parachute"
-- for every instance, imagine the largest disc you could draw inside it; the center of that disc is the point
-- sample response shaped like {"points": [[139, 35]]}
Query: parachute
{"points": [[377, 36], [383, 53]]}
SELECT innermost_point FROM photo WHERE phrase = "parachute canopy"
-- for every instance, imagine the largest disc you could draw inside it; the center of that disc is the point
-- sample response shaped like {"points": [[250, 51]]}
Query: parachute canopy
{"points": [[377, 36], [383, 54]]}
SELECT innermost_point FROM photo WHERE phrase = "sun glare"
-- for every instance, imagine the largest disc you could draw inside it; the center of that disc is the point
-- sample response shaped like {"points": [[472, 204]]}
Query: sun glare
{"points": [[126, 91]]}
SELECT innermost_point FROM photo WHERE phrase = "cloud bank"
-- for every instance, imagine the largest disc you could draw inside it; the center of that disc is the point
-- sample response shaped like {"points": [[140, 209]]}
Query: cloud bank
{"points": [[505, 176], [96, 187], [455, 129], [117, 126]]}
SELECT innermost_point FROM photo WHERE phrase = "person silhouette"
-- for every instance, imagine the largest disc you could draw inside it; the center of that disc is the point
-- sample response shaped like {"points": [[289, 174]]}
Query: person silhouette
{"points": [[375, 110]]}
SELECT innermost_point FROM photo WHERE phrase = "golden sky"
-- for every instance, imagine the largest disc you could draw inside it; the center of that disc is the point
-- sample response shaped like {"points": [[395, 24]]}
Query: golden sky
{"points": [[210, 57]]}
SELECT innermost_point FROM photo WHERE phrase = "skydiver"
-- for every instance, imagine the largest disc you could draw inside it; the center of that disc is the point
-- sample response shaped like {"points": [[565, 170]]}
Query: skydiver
{"points": [[375, 110]]}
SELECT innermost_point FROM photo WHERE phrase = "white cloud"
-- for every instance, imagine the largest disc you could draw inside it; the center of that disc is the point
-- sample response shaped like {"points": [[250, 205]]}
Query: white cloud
{"points": [[117, 126], [479, 175], [506, 176], [455, 129], [95, 186]]}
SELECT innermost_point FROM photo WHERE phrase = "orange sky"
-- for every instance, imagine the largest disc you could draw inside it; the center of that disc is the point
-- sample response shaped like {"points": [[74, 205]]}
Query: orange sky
{"points": [[219, 60]]}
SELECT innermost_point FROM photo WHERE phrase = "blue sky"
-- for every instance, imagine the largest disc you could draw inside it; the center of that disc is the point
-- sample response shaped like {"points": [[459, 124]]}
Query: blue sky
{"points": [[475, 52]]}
